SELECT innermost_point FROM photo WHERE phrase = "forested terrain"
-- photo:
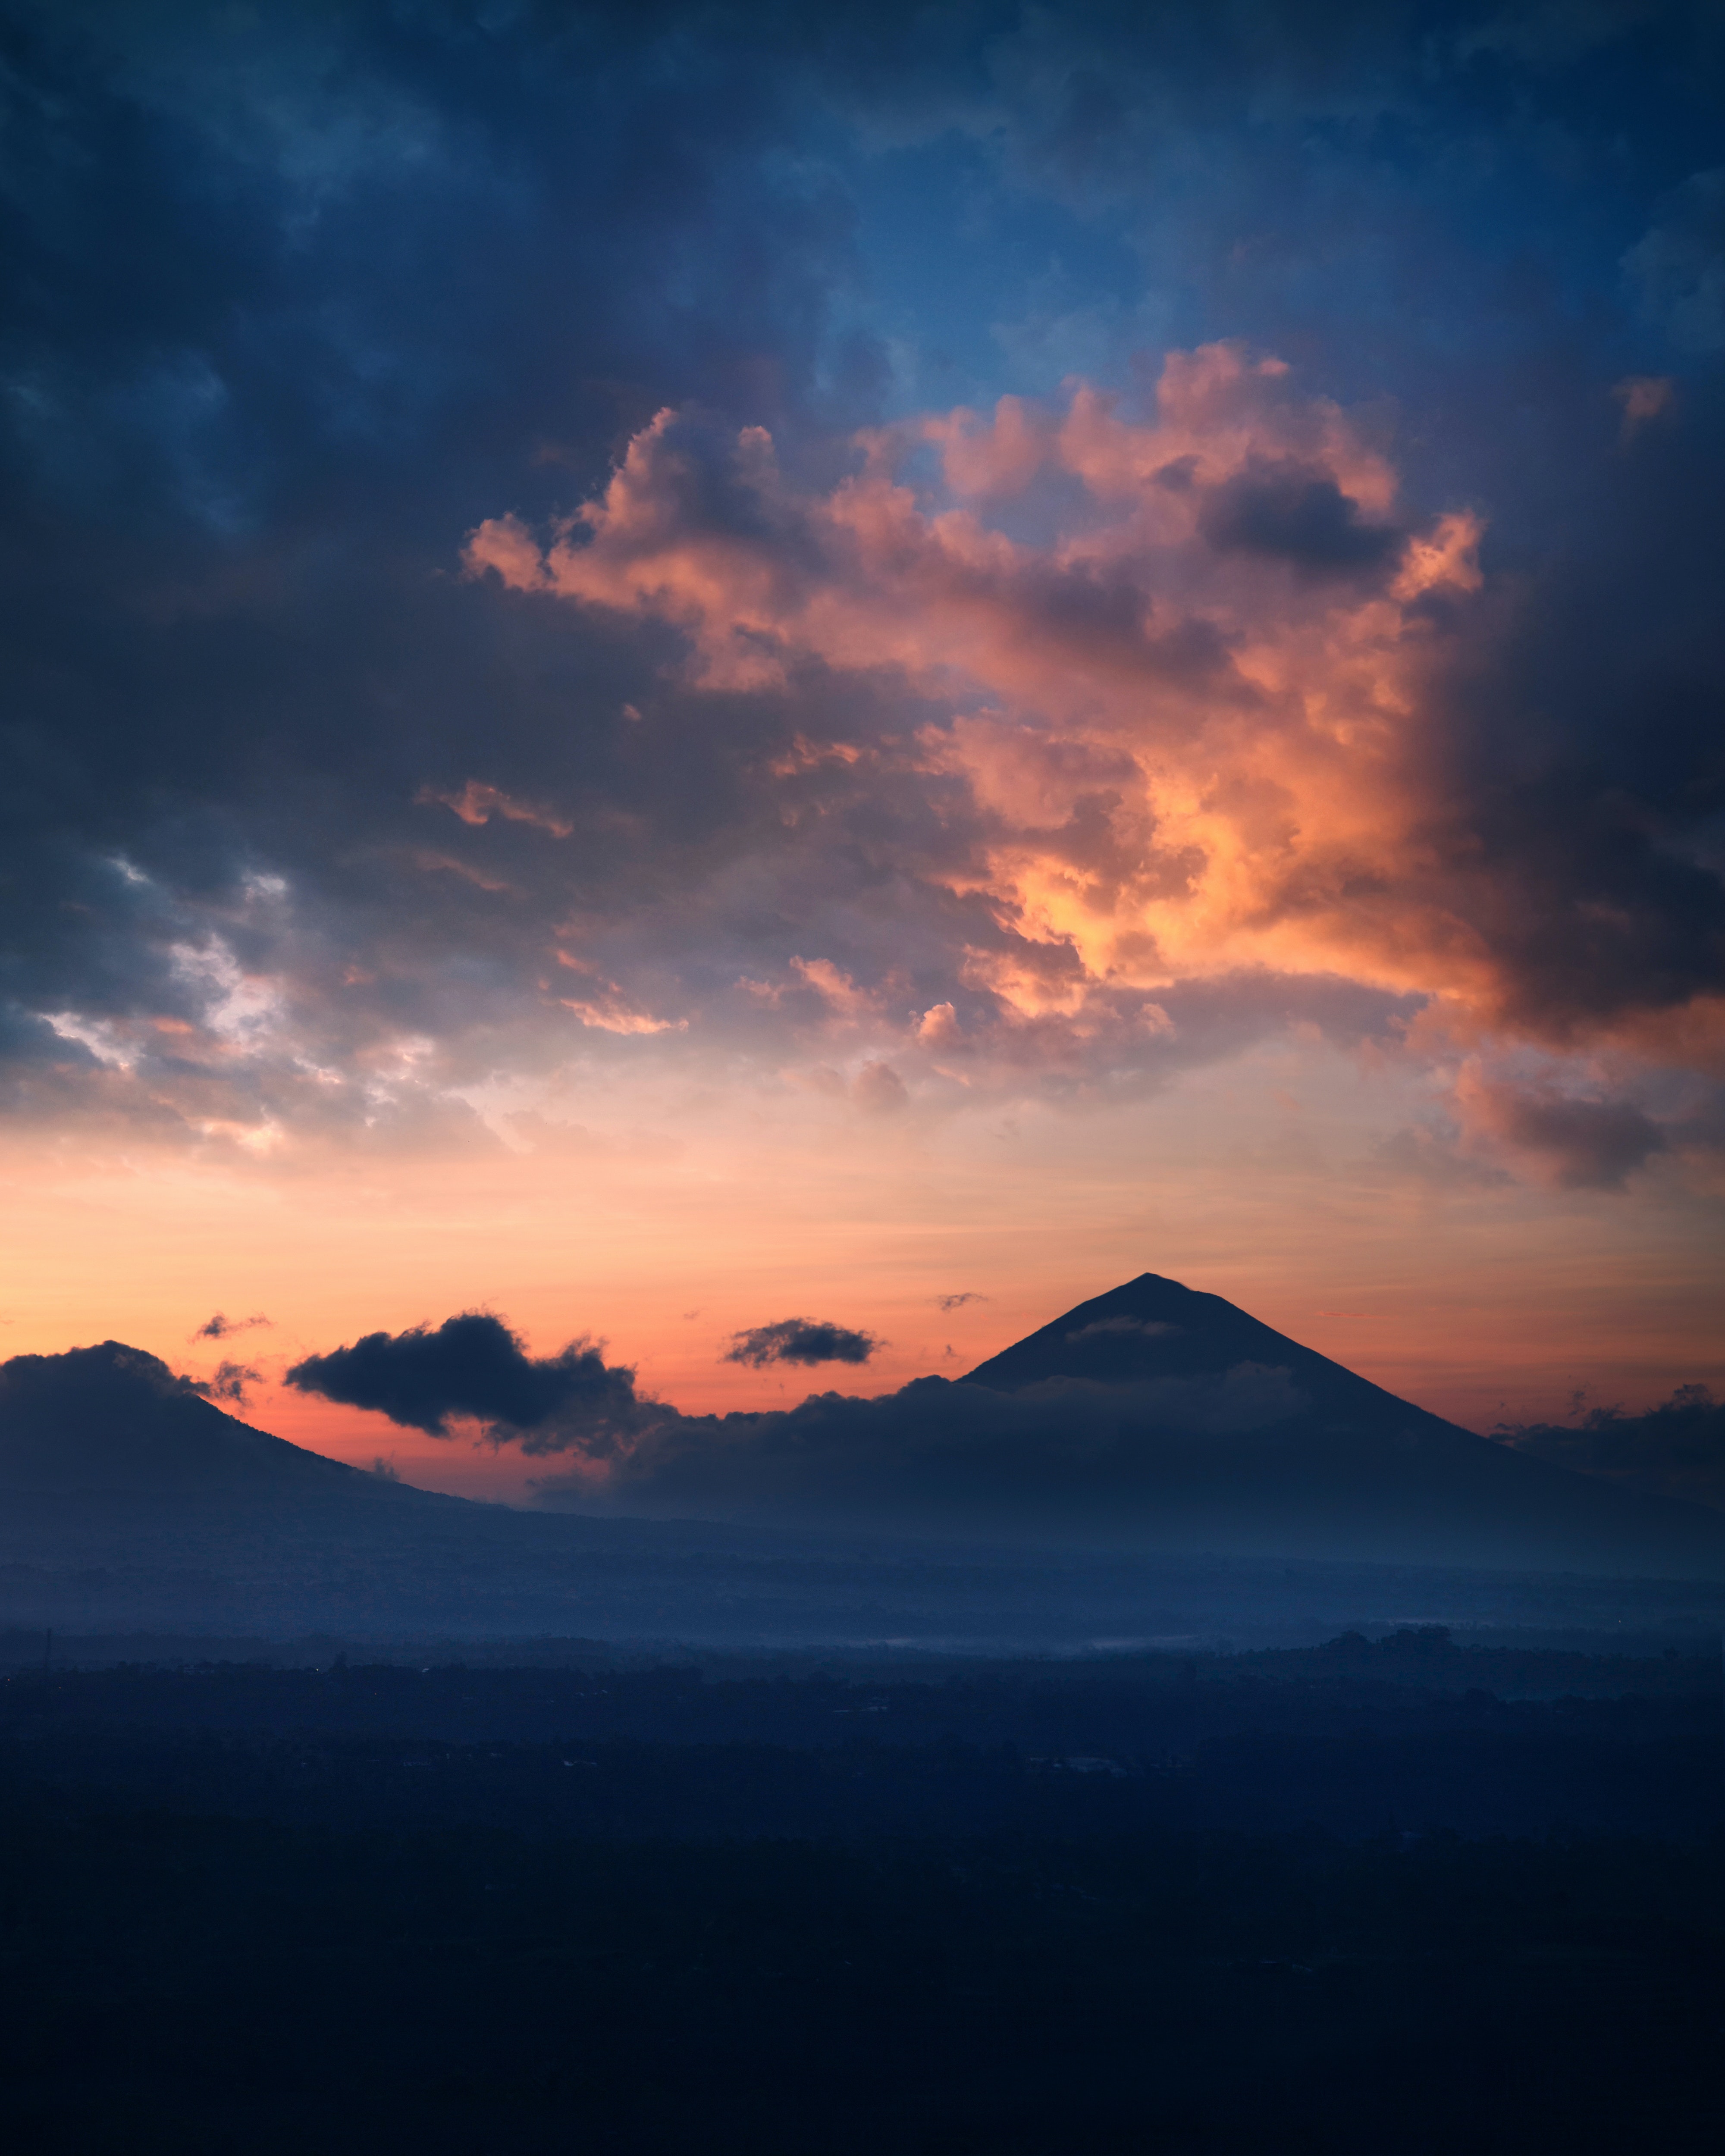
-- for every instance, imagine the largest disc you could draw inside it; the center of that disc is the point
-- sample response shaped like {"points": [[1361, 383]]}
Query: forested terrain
{"points": [[1326, 1902]]}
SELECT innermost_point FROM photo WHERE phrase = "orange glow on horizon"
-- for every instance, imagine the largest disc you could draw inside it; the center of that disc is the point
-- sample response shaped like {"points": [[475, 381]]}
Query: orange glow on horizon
{"points": [[1481, 1302]]}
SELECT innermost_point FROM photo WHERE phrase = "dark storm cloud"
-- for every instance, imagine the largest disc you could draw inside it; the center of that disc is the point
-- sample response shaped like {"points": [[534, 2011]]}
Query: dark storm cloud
{"points": [[1573, 737], [1296, 515], [800, 1340], [1676, 1449], [294, 301], [1589, 1145], [473, 1368]]}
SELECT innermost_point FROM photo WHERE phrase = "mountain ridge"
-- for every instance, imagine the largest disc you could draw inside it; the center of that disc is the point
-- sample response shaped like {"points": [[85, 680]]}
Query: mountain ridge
{"points": [[1152, 1424], [1152, 1326], [143, 1432]]}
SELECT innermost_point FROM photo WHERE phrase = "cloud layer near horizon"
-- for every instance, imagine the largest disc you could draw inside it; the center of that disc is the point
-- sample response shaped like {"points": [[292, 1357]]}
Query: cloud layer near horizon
{"points": [[1062, 1452], [928, 1451], [1676, 1449]]}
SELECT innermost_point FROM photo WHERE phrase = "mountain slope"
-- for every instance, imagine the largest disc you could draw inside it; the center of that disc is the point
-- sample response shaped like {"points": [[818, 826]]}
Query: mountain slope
{"points": [[1152, 1328], [1341, 1465], [114, 1420], [1155, 1463]]}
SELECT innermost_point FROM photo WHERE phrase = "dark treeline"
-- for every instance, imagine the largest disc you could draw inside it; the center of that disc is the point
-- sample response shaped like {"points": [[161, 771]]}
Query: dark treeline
{"points": [[1347, 1737], [1540, 1666], [221, 1986], [1330, 1904]]}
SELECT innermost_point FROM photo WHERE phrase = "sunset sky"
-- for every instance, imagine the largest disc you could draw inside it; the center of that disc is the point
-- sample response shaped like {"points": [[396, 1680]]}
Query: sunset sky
{"points": [[668, 667]]}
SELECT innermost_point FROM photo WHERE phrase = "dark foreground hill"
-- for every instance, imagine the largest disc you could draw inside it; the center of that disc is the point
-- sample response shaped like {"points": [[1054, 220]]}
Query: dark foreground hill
{"points": [[1334, 1903], [1307, 1501]]}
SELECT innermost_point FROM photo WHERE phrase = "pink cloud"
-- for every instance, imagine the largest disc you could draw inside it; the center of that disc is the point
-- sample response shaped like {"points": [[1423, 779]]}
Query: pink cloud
{"points": [[476, 803], [607, 1007], [1644, 398], [1195, 717]]}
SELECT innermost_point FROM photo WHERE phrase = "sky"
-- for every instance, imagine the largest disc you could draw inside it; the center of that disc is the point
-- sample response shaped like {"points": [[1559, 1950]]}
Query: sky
{"points": [[675, 668]]}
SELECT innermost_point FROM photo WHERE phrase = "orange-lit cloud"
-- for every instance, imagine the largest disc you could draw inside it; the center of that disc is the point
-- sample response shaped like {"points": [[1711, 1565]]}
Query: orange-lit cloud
{"points": [[477, 804], [886, 838], [1190, 691]]}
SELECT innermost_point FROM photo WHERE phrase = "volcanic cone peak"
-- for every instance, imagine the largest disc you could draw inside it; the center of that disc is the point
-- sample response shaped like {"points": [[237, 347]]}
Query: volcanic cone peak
{"points": [[116, 1418], [1156, 1328], [1329, 1457]]}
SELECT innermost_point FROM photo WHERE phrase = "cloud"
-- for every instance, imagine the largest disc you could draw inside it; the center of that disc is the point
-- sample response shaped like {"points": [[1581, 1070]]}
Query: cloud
{"points": [[1677, 1449], [476, 803], [1295, 806], [878, 1089], [229, 1383], [800, 1340], [958, 1301], [1577, 1143], [1644, 398], [473, 1369], [1420, 1153], [931, 1444], [1294, 514], [204, 431], [1055, 1454], [1679, 266], [219, 1327], [1063, 720]]}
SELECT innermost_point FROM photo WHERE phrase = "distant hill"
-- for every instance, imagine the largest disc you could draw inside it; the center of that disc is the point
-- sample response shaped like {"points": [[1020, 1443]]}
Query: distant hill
{"points": [[1153, 1466], [1341, 1461], [112, 1419]]}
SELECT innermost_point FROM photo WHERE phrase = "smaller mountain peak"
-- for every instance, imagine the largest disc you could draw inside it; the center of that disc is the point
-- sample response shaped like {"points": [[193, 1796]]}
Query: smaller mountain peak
{"points": [[110, 1368], [117, 1418]]}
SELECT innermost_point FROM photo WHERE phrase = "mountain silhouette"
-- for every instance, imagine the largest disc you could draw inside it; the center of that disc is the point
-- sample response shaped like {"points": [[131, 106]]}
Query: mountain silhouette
{"points": [[1153, 1462], [114, 1420], [1334, 1459], [1152, 1328]]}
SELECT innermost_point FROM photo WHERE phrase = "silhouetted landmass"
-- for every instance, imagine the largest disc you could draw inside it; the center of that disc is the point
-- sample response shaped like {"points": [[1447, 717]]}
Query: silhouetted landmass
{"points": [[605, 1875], [1512, 1666], [1676, 1449], [1347, 1740], [1334, 1901], [128, 1501], [1150, 1418]]}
